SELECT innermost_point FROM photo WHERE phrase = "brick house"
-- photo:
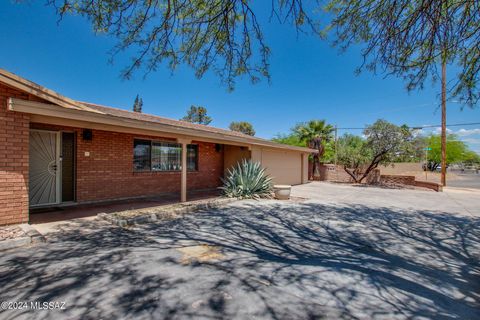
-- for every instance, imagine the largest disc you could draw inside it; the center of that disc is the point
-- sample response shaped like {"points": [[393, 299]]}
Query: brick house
{"points": [[56, 151]]}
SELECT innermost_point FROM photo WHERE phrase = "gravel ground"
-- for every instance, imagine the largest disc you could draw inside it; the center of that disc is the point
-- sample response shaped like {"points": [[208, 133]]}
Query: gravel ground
{"points": [[11, 232]]}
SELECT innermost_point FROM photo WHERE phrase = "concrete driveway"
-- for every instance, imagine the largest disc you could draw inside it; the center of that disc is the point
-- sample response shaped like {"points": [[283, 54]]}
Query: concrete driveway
{"points": [[346, 253], [466, 180], [452, 201]]}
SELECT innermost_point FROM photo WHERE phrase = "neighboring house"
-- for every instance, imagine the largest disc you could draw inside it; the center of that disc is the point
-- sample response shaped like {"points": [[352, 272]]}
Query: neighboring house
{"points": [[56, 151]]}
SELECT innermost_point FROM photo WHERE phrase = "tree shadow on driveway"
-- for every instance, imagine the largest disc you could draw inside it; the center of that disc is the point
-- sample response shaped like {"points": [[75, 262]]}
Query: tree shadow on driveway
{"points": [[281, 261]]}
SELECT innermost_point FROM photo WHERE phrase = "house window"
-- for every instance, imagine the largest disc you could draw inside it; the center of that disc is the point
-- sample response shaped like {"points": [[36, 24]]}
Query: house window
{"points": [[192, 157], [141, 155], [162, 156], [166, 156]]}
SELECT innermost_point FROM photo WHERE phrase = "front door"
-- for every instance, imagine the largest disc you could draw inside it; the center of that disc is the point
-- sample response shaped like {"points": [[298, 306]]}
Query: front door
{"points": [[68, 166], [45, 180]]}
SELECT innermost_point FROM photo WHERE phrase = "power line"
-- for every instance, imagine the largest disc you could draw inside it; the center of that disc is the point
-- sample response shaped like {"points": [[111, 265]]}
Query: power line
{"points": [[449, 125], [422, 127], [351, 128]]}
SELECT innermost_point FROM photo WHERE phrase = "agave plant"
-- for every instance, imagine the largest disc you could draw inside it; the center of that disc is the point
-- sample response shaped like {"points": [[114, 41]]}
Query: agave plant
{"points": [[247, 180]]}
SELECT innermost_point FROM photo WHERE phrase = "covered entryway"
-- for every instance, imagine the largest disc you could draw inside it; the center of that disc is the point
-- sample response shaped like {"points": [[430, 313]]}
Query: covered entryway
{"points": [[51, 168]]}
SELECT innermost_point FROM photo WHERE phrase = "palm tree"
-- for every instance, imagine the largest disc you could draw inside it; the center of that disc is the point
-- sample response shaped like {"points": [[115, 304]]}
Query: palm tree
{"points": [[315, 133]]}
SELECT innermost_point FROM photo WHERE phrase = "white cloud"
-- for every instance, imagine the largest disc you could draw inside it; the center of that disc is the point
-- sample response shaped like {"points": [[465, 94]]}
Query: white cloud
{"points": [[461, 132], [467, 132], [471, 140], [438, 130]]}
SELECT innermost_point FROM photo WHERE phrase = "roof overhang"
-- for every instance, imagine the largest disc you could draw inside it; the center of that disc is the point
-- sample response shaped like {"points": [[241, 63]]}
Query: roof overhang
{"points": [[41, 92], [111, 121]]}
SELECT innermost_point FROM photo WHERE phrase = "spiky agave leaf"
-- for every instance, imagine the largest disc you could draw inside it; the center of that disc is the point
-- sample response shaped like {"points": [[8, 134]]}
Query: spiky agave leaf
{"points": [[247, 180]]}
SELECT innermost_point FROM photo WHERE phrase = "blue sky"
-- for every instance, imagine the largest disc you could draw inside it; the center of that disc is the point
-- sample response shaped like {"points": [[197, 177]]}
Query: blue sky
{"points": [[310, 79]]}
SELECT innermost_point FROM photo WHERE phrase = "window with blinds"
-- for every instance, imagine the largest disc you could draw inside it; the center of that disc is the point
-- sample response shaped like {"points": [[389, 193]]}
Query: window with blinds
{"points": [[166, 156]]}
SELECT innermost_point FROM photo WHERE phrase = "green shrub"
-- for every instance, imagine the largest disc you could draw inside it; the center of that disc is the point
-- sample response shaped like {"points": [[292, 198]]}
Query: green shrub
{"points": [[247, 180]]}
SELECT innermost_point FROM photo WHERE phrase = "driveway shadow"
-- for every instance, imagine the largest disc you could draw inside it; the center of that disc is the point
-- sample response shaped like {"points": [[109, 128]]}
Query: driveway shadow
{"points": [[281, 261], [413, 264]]}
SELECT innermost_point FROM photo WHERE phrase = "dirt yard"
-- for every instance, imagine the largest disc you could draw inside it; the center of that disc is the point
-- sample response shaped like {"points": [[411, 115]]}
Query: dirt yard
{"points": [[415, 169]]}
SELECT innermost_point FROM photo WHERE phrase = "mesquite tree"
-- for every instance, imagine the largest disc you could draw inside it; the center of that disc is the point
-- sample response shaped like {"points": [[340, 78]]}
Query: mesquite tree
{"points": [[381, 146], [220, 35], [457, 151], [406, 38], [416, 40]]}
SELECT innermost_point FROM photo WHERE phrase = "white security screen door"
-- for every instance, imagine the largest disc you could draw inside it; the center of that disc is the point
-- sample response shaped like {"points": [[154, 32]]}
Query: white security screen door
{"points": [[44, 167]]}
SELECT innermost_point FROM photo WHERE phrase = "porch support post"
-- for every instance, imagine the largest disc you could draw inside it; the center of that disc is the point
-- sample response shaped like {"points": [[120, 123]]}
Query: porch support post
{"points": [[183, 184]]}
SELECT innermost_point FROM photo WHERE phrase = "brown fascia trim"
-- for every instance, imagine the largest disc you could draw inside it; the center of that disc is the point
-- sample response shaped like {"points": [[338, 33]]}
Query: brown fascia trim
{"points": [[44, 109], [37, 90]]}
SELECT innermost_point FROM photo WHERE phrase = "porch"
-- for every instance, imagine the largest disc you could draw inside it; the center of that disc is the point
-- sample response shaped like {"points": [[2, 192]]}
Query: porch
{"points": [[75, 211], [79, 173]]}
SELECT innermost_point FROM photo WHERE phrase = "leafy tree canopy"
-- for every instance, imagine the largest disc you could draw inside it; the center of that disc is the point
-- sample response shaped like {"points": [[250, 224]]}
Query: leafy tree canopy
{"points": [[197, 114], [414, 151], [471, 158], [457, 151], [383, 143], [291, 139], [410, 39], [404, 38], [353, 153], [243, 127], [329, 152], [222, 35]]}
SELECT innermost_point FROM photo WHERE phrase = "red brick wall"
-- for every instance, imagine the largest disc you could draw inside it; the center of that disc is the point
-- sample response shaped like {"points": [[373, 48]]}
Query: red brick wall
{"points": [[108, 172], [14, 140], [410, 181], [397, 179], [429, 185], [328, 172]]}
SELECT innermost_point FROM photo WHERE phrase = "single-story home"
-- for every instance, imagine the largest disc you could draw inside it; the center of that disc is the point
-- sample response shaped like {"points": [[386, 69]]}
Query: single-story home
{"points": [[56, 151]]}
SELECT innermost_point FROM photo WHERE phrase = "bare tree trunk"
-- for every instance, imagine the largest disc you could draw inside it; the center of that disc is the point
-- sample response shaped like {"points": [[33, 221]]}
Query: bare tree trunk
{"points": [[316, 165], [351, 174], [444, 121]]}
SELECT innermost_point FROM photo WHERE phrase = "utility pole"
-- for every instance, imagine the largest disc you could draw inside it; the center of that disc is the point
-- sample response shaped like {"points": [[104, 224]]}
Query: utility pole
{"points": [[444, 49], [444, 120]]}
